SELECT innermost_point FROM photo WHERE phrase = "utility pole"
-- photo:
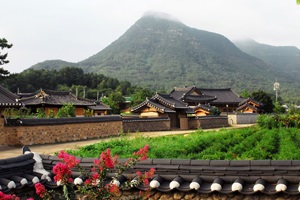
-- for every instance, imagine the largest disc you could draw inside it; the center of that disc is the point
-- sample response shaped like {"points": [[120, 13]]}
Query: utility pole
{"points": [[276, 88]]}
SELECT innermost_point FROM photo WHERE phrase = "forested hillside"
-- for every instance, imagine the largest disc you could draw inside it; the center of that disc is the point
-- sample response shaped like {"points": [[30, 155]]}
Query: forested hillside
{"points": [[286, 59], [160, 54]]}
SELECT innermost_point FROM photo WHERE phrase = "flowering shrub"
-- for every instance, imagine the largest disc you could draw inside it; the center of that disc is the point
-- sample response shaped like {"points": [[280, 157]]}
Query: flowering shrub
{"points": [[8, 196], [96, 183]]}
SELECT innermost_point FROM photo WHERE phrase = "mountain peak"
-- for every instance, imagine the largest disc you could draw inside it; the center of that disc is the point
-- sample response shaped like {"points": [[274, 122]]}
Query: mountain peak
{"points": [[160, 15]]}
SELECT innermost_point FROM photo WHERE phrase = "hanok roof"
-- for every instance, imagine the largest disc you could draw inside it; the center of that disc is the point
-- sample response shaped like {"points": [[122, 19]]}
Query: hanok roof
{"points": [[164, 103], [224, 96], [247, 177], [8, 98], [203, 107], [244, 106], [246, 101], [99, 106], [192, 93], [50, 97], [154, 104], [167, 100], [208, 176]]}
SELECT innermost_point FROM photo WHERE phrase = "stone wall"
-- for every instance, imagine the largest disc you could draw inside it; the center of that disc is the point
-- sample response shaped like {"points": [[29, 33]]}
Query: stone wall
{"points": [[146, 124], [243, 118], [208, 122], [43, 131]]}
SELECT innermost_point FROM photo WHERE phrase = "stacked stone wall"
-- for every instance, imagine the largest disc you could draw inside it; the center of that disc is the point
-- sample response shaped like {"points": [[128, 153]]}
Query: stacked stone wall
{"points": [[146, 124], [20, 135], [208, 122]]}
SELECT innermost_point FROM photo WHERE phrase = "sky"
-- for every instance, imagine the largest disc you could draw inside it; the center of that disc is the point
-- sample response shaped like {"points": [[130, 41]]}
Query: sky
{"points": [[73, 30]]}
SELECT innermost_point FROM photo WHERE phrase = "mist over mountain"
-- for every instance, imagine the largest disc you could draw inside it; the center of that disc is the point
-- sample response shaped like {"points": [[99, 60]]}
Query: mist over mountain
{"points": [[285, 59], [159, 52]]}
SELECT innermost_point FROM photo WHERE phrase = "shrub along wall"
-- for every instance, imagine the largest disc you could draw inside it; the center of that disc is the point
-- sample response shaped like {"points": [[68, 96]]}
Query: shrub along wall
{"points": [[208, 122], [43, 131]]}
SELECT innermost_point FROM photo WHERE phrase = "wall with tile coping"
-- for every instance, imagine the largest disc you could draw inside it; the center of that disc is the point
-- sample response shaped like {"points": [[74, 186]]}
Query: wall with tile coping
{"points": [[145, 124], [242, 118], [44, 134], [47, 131], [208, 122]]}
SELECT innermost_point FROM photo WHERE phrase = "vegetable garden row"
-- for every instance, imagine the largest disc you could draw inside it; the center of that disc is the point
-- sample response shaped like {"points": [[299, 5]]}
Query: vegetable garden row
{"points": [[252, 143]]}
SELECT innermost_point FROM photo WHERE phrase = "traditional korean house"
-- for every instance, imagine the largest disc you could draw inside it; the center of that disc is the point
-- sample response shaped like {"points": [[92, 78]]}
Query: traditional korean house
{"points": [[192, 96], [163, 105], [202, 110], [99, 109], [226, 99], [250, 106], [52, 101], [8, 99]]}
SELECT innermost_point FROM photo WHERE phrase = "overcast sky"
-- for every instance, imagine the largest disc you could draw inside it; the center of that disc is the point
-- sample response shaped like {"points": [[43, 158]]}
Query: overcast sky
{"points": [[73, 30]]}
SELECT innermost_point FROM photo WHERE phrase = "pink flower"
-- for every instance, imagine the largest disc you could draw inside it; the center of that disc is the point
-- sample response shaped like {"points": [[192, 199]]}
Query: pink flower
{"points": [[71, 161], [62, 172], [142, 153], [107, 159], [113, 189], [87, 182], [8, 196], [40, 189]]}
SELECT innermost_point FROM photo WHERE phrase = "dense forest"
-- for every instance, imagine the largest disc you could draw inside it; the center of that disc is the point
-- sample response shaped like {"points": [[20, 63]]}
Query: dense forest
{"points": [[88, 85]]}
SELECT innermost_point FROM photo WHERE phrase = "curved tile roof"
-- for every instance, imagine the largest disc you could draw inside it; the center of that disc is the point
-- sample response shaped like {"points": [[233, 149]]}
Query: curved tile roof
{"points": [[204, 176], [50, 97], [8, 98]]}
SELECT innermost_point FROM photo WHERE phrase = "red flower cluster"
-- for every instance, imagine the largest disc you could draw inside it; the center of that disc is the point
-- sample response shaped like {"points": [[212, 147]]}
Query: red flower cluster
{"points": [[8, 196], [106, 158], [71, 161], [113, 189], [62, 172], [40, 189], [145, 178], [142, 153]]}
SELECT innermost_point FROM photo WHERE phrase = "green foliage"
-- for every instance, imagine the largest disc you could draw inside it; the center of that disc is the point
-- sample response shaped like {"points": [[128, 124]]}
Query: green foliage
{"points": [[278, 108], [3, 57], [67, 110], [88, 113], [40, 113], [235, 144], [51, 113], [264, 98], [140, 94], [114, 100], [12, 113], [279, 121], [215, 111]]}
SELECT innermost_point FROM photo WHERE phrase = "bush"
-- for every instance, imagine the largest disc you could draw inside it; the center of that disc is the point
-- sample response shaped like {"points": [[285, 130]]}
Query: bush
{"points": [[67, 110]]}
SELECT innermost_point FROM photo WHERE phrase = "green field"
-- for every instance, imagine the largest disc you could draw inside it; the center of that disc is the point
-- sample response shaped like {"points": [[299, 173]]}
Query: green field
{"points": [[251, 143]]}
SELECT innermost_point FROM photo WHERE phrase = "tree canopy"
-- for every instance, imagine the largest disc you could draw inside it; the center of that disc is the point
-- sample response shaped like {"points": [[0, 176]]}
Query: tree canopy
{"points": [[3, 57]]}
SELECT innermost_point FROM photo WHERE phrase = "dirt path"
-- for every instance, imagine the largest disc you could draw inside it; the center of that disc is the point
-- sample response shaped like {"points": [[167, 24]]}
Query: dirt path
{"points": [[7, 152]]}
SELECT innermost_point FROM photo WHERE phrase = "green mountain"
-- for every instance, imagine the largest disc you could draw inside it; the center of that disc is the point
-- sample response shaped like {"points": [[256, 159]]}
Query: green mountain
{"points": [[54, 64], [161, 53], [285, 59]]}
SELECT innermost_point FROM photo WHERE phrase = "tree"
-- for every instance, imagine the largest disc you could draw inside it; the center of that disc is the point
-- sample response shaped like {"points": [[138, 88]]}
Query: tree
{"points": [[264, 98], [4, 44], [114, 100], [298, 2]]}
